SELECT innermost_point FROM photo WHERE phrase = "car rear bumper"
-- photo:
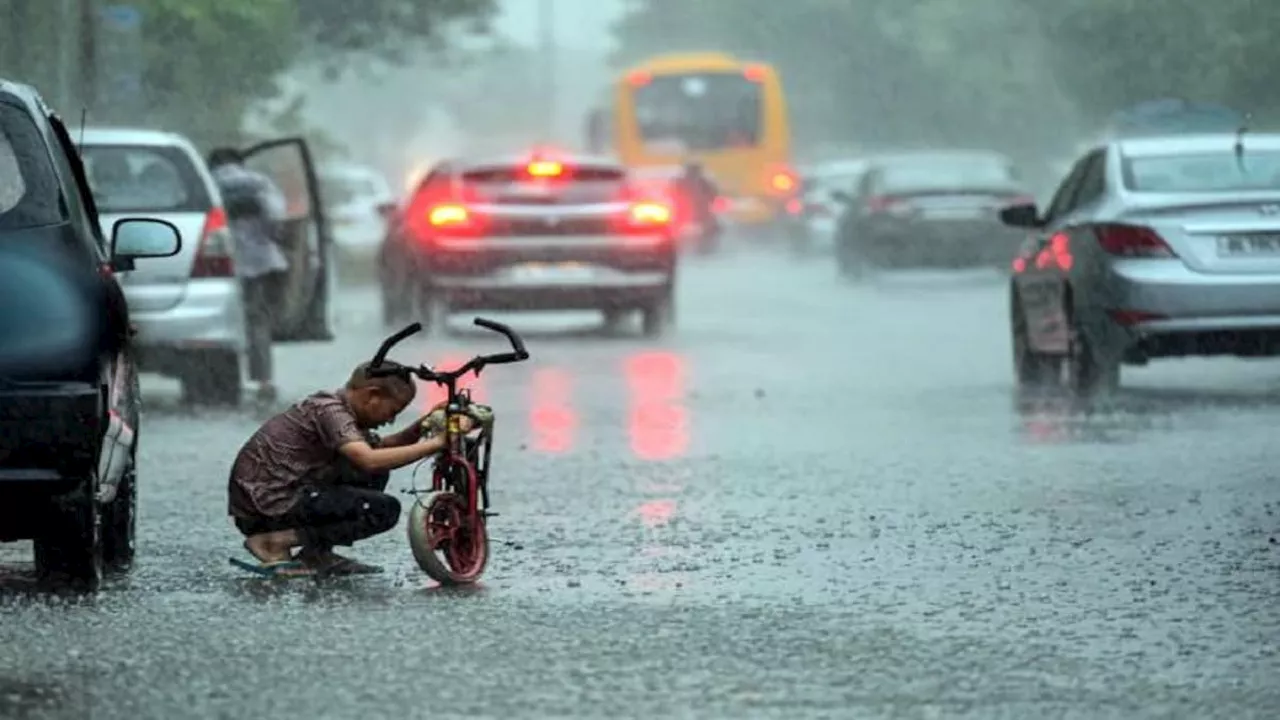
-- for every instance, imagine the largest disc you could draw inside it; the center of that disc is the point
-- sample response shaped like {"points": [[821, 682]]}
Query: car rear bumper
{"points": [[941, 242], [210, 316], [50, 434], [604, 288], [1159, 308]]}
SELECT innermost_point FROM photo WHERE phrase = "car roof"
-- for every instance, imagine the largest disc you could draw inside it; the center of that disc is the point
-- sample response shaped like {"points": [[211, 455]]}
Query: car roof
{"points": [[1174, 144], [148, 137], [912, 156]]}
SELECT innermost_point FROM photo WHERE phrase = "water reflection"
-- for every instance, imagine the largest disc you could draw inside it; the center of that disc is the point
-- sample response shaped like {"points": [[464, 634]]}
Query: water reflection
{"points": [[656, 513], [553, 421], [657, 419]]}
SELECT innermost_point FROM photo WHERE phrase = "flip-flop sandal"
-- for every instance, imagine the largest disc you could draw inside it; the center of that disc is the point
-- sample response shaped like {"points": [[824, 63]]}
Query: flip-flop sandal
{"points": [[282, 568]]}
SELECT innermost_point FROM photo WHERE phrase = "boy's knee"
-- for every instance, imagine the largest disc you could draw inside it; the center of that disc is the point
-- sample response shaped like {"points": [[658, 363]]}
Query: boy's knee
{"points": [[383, 512]]}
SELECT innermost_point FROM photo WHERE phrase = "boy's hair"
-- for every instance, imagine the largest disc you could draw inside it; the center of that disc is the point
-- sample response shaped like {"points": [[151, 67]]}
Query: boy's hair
{"points": [[400, 384]]}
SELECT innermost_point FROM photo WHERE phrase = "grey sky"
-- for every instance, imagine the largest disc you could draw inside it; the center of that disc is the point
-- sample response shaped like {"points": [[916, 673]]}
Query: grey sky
{"points": [[579, 23]]}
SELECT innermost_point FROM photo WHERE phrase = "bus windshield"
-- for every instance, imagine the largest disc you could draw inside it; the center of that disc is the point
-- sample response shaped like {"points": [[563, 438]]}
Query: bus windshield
{"points": [[702, 111]]}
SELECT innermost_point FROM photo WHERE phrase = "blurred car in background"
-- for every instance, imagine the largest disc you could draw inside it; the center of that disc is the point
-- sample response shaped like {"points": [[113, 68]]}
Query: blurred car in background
{"points": [[530, 232], [821, 208], [186, 308], [357, 199], [929, 209], [1153, 247]]}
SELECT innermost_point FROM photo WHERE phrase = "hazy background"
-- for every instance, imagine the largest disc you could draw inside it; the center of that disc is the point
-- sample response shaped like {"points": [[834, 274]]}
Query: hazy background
{"points": [[400, 83]]}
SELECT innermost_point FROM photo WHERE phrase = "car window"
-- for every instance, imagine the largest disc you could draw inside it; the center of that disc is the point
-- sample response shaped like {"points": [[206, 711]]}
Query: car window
{"points": [[513, 185], [1066, 191], [944, 174], [143, 178], [30, 195], [1204, 172], [1093, 181]]}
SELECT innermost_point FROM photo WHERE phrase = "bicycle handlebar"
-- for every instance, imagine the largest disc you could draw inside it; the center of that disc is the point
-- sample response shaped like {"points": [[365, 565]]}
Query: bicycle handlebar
{"points": [[476, 364]]}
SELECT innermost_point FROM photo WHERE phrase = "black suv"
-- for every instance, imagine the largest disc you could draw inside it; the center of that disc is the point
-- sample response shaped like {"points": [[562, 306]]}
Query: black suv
{"points": [[69, 401]]}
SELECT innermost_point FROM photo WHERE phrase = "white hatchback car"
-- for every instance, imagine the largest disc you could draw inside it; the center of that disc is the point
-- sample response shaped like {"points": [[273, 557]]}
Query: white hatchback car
{"points": [[187, 308], [357, 199]]}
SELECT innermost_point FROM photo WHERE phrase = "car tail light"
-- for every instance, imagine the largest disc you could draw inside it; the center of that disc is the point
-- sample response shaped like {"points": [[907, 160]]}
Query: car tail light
{"points": [[215, 256], [545, 169], [885, 204], [783, 181], [648, 215], [1132, 241], [795, 206], [453, 220], [1129, 318], [645, 217]]}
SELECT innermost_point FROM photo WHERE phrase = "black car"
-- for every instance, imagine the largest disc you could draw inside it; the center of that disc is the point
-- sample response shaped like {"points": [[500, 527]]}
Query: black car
{"points": [[531, 233], [69, 402], [929, 209]]}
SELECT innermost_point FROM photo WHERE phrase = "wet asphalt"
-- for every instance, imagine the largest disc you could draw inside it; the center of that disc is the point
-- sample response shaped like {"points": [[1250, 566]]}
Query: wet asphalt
{"points": [[811, 500]]}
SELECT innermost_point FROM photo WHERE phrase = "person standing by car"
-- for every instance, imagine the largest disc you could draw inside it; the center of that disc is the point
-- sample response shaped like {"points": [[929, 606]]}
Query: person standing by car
{"points": [[256, 209]]}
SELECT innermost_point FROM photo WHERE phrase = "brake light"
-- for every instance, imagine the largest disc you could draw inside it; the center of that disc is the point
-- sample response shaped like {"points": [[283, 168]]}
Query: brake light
{"points": [[880, 203], [649, 215], [448, 216], [1133, 241], [795, 206], [783, 181], [215, 257], [545, 169]]}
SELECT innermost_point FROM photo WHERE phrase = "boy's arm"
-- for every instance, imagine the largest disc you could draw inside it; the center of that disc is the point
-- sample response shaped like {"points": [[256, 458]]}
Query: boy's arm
{"points": [[381, 459]]}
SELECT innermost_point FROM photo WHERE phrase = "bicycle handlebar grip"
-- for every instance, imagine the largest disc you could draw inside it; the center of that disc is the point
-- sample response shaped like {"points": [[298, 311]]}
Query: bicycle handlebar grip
{"points": [[392, 342], [512, 337]]}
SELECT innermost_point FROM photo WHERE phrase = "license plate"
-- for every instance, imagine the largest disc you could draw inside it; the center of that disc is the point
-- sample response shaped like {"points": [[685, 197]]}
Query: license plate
{"points": [[1249, 244], [552, 272]]}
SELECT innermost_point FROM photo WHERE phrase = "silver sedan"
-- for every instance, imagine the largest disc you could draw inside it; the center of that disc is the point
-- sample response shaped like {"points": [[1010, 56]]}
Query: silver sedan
{"points": [[1151, 248]]}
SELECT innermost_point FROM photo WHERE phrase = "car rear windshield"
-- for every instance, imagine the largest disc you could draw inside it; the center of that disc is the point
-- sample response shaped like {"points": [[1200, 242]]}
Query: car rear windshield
{"points": [[144, 178], [1212, 172], [700, 111], [943, 175], [29, 192], [581, 185]]}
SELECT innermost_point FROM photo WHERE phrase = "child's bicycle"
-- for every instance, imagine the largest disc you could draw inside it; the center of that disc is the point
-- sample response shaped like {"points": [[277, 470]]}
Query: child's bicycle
{"points": [[447, 523]]}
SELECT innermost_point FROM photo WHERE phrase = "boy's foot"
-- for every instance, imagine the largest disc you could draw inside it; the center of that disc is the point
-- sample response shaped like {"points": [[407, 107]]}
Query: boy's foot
{"points": [[331, 563], [268, 548]]}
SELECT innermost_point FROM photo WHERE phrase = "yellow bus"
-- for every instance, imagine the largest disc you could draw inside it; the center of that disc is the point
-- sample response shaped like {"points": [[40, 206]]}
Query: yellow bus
{"points": [[727, 114]]}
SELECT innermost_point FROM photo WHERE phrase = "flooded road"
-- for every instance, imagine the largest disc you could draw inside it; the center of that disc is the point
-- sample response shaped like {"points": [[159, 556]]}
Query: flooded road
{"points": [[811, 500]]}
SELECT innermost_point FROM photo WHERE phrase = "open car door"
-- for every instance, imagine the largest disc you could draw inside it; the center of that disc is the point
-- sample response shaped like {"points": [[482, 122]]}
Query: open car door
{"points": [[305, 296]]}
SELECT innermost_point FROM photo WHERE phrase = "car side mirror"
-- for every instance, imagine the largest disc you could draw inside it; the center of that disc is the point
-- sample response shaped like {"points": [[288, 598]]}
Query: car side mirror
{"points": [[134, 238], [1022, 215]]}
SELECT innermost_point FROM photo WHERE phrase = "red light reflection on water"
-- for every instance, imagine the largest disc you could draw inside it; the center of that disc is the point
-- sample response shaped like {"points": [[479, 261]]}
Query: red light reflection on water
{"points": [[552, 419], [431, 393], [656, 513], [657, 420]]}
